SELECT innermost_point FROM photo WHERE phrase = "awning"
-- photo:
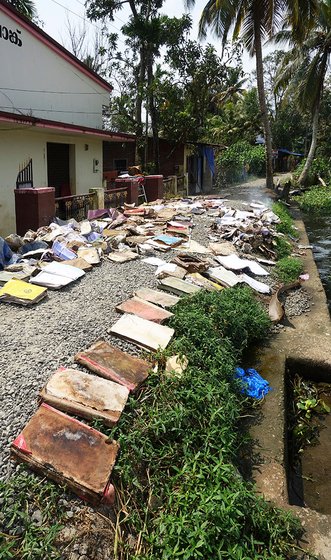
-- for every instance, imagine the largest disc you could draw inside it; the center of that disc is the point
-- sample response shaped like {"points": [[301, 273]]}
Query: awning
{"points": [[13, 120]]}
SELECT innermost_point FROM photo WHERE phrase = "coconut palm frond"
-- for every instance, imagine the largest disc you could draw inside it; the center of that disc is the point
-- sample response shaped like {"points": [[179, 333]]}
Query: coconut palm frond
{"points": [[217, 15]]}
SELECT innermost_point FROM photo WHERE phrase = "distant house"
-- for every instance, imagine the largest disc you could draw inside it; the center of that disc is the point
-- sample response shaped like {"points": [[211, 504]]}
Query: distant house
{"points": [[50, 116], [195, 159]]}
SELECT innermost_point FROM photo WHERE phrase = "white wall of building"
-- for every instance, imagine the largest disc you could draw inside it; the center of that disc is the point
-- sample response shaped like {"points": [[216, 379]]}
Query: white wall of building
{"points": [[18, 146], [37, 81]]}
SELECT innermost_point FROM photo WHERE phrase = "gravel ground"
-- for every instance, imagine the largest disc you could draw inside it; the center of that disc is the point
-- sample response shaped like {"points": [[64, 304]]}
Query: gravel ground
{"points": [[37, 340]]}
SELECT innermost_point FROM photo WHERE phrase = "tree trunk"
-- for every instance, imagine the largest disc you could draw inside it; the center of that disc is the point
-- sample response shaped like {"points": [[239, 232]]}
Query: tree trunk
{"points": [[153, 115], [139, 151], [263, 104], [304, 175]]}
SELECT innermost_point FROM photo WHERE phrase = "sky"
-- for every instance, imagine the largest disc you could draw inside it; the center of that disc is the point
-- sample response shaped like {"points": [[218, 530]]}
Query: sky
{"points": [[55, 14]]}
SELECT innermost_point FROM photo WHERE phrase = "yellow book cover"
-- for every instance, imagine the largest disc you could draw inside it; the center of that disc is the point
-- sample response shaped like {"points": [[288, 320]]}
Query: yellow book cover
{"points": [[22, 290]]}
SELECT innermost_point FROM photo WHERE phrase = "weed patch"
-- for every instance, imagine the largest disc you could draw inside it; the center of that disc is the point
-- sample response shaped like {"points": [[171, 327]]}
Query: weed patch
{"points": [[286, 224], [317, 200], [180, 493], [283, 248], [288, 269], [30, 518]]}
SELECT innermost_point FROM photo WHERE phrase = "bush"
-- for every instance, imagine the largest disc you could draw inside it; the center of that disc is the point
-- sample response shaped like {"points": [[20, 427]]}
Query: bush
{"points": [[240, 159], [288, 269], [317, 199], [320, 167]]}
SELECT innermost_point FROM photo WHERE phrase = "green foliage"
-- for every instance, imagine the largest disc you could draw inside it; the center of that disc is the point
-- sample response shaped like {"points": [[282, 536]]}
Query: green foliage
{"points": [[232, 314], [286, 224], [306, 406], [283, 248], [320, 167], [180, 440], [288, 269], [317, 199], [240, 159], [21, 536], [238, 116], [26, 7]]}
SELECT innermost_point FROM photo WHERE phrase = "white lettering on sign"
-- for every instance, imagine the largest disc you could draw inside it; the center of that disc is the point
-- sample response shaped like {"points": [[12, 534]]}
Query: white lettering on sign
{"points": [[11, 36]]}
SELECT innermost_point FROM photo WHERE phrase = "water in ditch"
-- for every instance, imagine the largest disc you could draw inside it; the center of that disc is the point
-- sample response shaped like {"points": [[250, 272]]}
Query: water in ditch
{"points": [[319, 233], [309, 443]]}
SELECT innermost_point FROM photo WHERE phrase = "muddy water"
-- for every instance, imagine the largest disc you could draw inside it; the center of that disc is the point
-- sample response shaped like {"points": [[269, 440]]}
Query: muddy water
{"points": [[316, 466], [319, 232], [309, 472]]}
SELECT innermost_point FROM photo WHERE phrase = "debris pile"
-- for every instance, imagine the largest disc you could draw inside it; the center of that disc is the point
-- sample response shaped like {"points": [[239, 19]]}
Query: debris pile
{"points": [[46, 257], [53, 442]]}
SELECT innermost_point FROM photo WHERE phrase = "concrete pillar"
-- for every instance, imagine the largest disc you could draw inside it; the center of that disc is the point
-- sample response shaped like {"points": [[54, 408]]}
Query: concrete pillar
{"points": [[98, 198]]}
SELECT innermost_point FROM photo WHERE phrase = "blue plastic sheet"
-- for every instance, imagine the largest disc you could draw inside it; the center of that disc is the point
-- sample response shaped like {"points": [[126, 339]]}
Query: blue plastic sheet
{"points": [[253, 384], [6, 255]]}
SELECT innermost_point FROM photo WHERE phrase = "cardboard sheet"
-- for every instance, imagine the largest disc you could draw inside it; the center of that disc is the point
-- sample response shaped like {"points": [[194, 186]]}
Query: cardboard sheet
{"points": [[123, 256], [111, 363], [144, 309], [193, 247], [78, 263], [223, 276], [233, 262], [145, 333], [5, 276], [224, 248], [90, 254], [178, 286], [159, 298], [18, 291], [86, 395], [69, 452]]}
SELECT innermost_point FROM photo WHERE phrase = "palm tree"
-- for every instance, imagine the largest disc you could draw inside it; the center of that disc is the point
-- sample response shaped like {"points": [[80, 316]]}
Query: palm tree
{"points": [[26, 7], [254, 21], [304, 72]]}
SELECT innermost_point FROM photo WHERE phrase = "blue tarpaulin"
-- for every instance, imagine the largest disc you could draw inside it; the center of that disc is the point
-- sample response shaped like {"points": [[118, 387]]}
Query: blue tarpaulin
{"points": [[208, 153], [253, 384], [6, 254]]}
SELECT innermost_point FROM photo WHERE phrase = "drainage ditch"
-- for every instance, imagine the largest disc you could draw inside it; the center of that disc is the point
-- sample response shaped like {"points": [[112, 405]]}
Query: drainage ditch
{"points": [[308, 436]]}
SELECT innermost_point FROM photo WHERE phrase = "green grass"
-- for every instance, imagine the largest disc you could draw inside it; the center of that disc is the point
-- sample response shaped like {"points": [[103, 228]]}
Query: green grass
{"points": [[317, 200], [21, 536], [288, 269], [286, 225], [283, 247]]}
